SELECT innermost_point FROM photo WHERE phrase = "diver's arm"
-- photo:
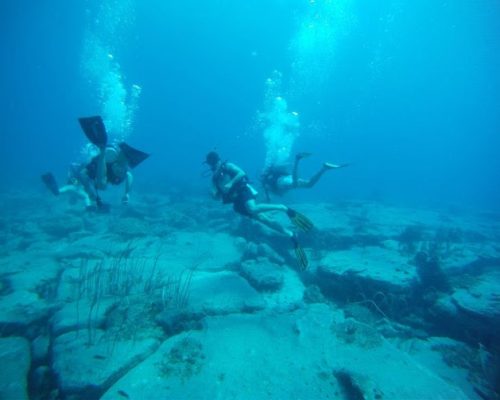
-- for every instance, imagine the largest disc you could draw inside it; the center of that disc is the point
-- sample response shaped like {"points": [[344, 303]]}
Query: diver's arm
{"points": [[89, 185], [239, 174], [128, 185], [215, 191]]}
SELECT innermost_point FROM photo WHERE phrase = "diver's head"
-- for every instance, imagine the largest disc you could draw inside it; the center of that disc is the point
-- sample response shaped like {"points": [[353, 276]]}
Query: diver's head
{"points": [[212, 159]]}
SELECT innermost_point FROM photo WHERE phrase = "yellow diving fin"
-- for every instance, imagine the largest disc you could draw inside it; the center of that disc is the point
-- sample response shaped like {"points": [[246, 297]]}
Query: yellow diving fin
{"points": [[300, 254], [300, 220]]}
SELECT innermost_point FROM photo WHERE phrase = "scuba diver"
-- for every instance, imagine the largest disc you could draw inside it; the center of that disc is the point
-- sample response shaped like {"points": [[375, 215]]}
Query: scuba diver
{"points": [[278, 180], [231, 185], [112, 165]]}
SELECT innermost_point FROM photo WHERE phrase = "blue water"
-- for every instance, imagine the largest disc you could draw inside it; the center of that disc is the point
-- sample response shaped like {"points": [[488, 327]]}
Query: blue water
{"points": [[407, 92]]}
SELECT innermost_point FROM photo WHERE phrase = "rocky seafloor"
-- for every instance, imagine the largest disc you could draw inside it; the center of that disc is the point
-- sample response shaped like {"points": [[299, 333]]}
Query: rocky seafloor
{"points": [[177, 297]]}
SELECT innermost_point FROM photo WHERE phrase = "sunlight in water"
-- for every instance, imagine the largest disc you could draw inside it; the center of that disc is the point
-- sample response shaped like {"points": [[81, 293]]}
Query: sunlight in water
{"points": [[314, 47], [281, 127], [105, 34]]}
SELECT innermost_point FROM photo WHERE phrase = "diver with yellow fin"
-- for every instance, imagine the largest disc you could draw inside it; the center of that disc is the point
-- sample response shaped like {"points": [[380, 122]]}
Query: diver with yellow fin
{"points": [[112, 165], [231, 184]]}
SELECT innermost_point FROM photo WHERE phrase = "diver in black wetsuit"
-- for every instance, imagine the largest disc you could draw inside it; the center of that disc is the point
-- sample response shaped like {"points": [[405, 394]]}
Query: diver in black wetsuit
{"points": [[112, 165], [231, 185]]}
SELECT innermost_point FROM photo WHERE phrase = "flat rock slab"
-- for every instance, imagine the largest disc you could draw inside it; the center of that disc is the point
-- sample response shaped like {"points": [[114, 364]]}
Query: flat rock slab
{"points": [[289, 297], [77, 315], [22, 308], [85, 369], [367, 217], [26, 289], [236, 357], [222, 293], [16, 360], [372, 268], [272, 356], [203, 250], [200, 250], [263, 275], [452, 360], [481, 298]]}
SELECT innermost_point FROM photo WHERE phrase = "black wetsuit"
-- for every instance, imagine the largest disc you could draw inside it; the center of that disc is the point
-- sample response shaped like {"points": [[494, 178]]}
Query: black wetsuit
{"points": [[239, 194]]}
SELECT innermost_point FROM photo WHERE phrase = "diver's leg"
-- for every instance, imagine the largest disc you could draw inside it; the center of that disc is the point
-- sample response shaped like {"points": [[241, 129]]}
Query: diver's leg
{"points": [[88, 186], [256, 210], [84, 195], [67, 189], [264, 219], [79, 191], [253, 208], [101, 172], [274, 225], [314, 179], [128, 186], [295, 172], [303, 183]]}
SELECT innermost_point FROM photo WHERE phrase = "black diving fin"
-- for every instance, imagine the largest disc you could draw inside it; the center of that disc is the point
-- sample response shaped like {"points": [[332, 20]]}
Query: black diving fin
{"points": [[49, 181], [300, 220], [94, 129], [134, 157]]}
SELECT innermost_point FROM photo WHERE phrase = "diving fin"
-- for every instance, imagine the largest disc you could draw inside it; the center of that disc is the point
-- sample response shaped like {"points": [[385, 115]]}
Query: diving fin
{"points": [[49, 181], [329, 165], [94, 129], [300, 220], [133, 156], [300, 254]]}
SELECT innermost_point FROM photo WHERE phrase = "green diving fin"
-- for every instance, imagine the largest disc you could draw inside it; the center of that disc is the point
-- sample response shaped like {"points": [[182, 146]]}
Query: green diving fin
{"points": [[49, 181], [300, 254], [300, 220], [94, 129], [133, 156]]}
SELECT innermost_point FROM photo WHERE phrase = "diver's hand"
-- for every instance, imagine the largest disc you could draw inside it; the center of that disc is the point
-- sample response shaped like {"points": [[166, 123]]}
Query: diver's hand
{"points": [[125, 199]]}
